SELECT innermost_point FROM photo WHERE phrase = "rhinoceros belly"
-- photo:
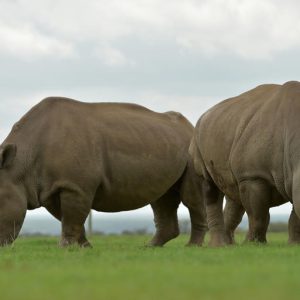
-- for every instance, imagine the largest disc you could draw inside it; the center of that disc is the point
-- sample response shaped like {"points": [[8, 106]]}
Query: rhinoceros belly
{"points": [[134, 182]]}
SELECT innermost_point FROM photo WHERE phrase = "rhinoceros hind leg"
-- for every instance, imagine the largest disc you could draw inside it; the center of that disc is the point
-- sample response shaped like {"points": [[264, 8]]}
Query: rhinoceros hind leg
{"points": [[191, 195], [165, 218], [233, 214], [214, 209], [256, 197], [294, 228]]}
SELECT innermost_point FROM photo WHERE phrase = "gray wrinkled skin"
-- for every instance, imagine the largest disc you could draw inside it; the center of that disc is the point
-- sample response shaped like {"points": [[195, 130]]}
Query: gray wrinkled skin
{"points": [[248, 148], [69, 156]]}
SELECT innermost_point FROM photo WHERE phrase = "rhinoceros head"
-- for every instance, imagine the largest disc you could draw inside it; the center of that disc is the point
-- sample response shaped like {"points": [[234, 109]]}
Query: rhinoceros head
{"points": [[12, 201]]}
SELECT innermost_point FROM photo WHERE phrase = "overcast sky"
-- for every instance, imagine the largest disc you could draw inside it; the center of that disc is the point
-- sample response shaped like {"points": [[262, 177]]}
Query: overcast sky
{"points": [[180, 55]]}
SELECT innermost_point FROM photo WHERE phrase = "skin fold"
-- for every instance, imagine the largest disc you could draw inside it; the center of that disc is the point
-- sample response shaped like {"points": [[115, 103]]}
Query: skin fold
{"points": [[71, 157], [248, 148]]}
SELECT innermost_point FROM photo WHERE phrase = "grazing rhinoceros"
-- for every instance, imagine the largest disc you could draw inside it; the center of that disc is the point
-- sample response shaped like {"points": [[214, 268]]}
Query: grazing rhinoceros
{"points": [[70, 157], [248, 148]]}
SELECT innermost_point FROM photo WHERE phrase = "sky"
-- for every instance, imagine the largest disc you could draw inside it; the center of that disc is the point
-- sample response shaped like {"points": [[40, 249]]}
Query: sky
{"points": [[182, 55]]}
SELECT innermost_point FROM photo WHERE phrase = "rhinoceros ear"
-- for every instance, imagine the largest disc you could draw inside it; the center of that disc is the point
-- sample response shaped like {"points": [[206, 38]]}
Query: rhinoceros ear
{"points": [[7, 155]]}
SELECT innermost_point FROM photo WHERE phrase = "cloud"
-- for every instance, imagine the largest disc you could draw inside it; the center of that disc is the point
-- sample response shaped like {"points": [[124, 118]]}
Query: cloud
{"points": [[25, 42], [250, 29], [111, 56]]}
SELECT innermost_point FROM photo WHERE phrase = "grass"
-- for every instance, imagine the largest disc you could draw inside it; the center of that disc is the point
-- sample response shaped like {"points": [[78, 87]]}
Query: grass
{"points": [[120, 267]]}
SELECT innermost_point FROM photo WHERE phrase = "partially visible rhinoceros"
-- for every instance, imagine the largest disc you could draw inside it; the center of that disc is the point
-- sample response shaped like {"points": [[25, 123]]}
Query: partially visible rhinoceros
{"points": [[248, 148], [70, 157]]}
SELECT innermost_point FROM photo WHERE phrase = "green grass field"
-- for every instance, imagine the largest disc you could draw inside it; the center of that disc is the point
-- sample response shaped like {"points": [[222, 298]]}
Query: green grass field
{"points": [[120, 267]]}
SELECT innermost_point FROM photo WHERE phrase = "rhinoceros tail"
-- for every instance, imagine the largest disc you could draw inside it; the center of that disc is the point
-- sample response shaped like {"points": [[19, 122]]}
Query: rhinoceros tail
{"points": [[197, 160]]}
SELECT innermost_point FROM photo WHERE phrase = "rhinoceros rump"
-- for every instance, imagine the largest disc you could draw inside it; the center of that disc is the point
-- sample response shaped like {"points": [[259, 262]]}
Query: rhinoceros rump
{"points": [[69, 157], [248, 148]]}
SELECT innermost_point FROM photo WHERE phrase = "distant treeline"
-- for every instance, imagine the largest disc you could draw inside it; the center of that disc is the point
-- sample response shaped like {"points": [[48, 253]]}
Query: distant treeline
{"points": [[185, 227]]}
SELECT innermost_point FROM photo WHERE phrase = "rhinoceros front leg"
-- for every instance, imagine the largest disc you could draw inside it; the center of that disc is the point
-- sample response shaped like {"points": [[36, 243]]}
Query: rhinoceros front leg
{"points": [[233, 214], [256, 197], [55, 210], [192, 197], [294, 228], [165, 218], [74, 209]]}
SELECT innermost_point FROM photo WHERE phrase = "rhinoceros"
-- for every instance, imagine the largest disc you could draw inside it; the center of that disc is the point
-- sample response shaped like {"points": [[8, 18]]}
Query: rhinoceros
{"points": [[70, 157], [248, 148]]}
